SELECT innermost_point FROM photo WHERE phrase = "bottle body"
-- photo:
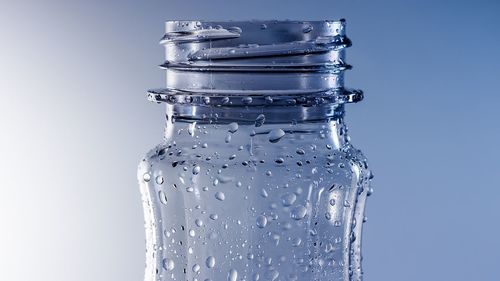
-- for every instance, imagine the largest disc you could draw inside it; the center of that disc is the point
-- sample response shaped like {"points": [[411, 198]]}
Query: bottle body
{"points": [[234, 201]]}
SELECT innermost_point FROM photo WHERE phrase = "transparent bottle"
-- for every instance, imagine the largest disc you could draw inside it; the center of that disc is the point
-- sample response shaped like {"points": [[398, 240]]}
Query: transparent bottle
{"points": [[256, 178]]}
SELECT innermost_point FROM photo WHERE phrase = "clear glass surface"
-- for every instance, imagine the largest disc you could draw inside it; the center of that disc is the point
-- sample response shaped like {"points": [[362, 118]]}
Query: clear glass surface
{"points": [[256, 178]]}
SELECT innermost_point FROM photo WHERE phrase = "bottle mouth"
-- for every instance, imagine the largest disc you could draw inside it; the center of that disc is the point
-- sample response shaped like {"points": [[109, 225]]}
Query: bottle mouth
{"points": [[255, 63]]}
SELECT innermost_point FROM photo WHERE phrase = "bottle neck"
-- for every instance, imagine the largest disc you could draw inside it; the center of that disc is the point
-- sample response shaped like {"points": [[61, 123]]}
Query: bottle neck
{"points": [[320, 125], [253, 114]]}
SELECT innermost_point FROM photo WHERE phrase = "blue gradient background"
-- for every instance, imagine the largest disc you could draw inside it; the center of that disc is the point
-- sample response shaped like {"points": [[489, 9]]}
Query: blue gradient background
{"points": [[74, 123]]}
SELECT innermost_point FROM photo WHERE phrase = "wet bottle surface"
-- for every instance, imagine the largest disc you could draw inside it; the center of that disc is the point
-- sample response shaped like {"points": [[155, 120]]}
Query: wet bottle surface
{"points": [[256, 178]]}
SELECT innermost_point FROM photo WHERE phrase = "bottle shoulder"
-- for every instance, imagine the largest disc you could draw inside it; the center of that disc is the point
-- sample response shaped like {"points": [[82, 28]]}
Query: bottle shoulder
{"points": [[150, 157], [169, 154], [357, 161]]}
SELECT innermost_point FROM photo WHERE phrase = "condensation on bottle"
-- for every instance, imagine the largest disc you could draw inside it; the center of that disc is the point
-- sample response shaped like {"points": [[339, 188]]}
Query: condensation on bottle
{"points": [[256, 177]]}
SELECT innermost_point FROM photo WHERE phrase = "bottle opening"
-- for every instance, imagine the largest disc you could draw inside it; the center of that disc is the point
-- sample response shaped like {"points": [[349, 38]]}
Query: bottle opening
{"points": [[246, 63]]}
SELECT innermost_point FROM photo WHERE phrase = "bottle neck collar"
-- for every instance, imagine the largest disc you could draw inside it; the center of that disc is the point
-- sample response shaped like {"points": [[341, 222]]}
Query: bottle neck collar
{"points": [[331, 133], [254, 114]]}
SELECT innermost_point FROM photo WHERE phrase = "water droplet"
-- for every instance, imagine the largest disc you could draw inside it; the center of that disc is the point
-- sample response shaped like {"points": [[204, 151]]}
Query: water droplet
{"points": [[298, 212], [198, 222], [259, 121], [146, 177], [213, 216], [225, 179], [159, 180], [210, 262], [328, 216], [263, 193], [196, 267], [196, 170], [246, 100], [279, 160], [347, 204], [263, 26], [313, 232], [163, 197], [272, 275], [168, 264], [233, 127], [300, 151], [269, 173], [232, 275], [369, 192], [352, 237], [276, 135], [296, 242], [192, 233], [228, 138], [220, 196], [261, 221], [234, 29], [286, 226], [288, 199], [308, 28]]}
